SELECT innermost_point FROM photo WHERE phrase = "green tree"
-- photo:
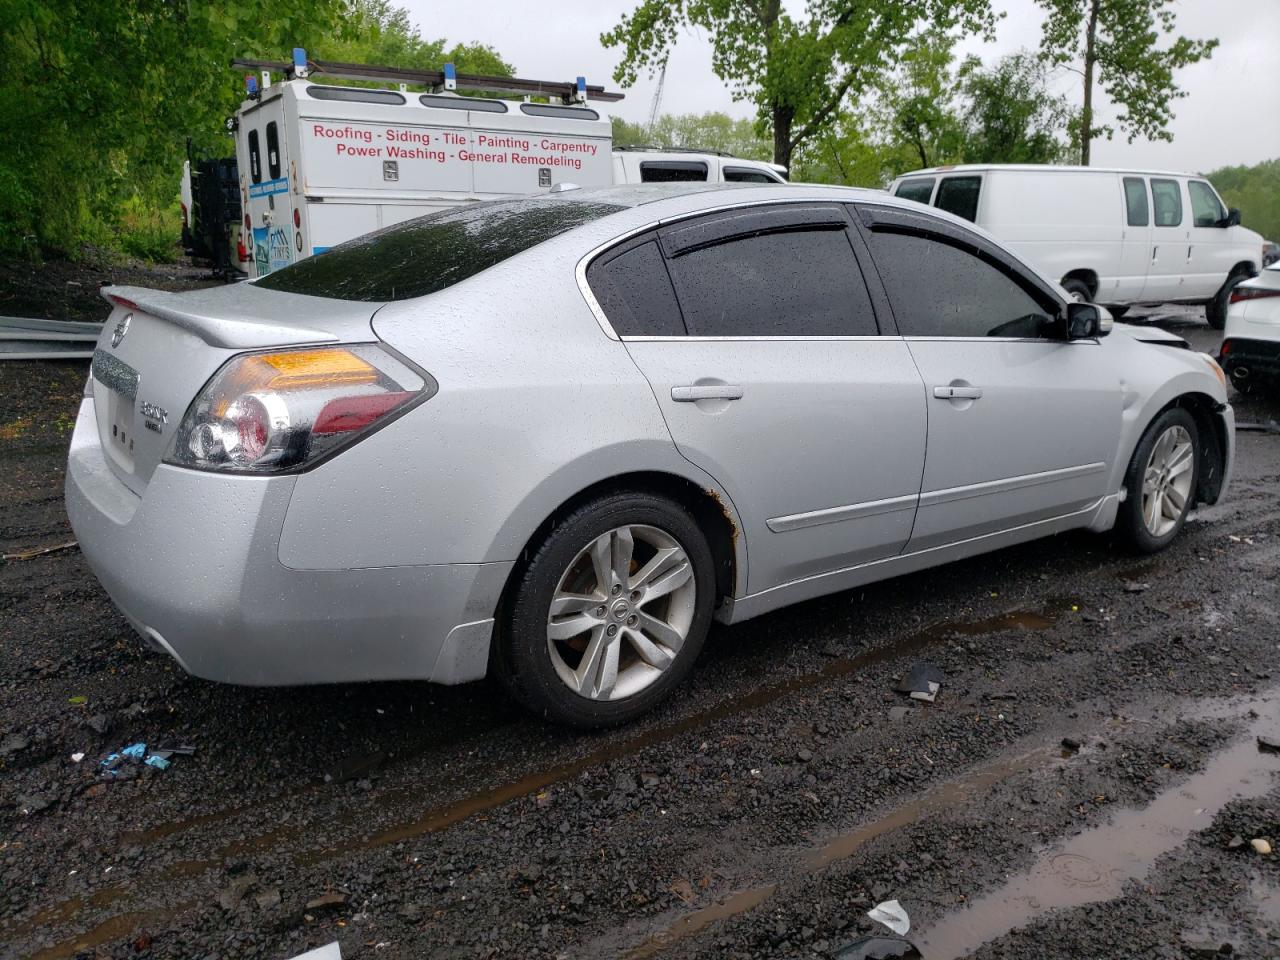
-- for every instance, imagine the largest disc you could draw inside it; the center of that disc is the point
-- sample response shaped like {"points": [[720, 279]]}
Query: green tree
{"points": [[1009, 115], [918, 101], [798, 72], [1115, 43], [1255, 191], [716, 132]]}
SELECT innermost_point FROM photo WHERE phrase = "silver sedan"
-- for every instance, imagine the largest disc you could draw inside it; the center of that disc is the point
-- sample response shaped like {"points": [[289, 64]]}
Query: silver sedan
{"points": [[553, 438]]}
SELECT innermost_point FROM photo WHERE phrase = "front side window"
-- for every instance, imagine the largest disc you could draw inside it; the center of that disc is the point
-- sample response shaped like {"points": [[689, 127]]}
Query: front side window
{"points": [[635, 293], [1206, 208], [428, 254], [673, 171], [273, 150], [255, 158], [959, 195], [919, 189], [1166, 197], [939, 290], [1135, 201], [787, 283]]}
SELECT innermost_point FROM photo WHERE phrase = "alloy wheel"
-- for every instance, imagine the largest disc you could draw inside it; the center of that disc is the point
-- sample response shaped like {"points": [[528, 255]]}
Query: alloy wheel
{"points": [[621, 612], [1166, 482]]}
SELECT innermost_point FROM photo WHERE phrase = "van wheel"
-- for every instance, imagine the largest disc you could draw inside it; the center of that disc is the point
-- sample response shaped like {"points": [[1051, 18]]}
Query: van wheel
{"points": [[1215, 311], [610, 613], [1161, 482], [1078, 289]]}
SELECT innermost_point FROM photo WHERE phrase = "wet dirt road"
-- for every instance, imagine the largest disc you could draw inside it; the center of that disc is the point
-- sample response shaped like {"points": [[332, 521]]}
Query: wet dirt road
{"points": [[760, 813]]}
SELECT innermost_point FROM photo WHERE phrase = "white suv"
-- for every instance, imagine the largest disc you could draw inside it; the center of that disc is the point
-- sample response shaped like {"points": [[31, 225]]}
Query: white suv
{"points": [[1110, 236]]}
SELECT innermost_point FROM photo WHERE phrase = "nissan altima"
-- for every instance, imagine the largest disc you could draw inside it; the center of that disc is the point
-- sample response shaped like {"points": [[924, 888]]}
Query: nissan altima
{"points": [[554, 438]]}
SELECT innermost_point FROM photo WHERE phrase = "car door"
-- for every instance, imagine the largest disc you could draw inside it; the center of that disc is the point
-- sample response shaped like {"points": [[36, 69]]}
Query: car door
{"points": [[1210, 251], [1168, 263], [1135, 247], [1022, 423], [768, 365]]}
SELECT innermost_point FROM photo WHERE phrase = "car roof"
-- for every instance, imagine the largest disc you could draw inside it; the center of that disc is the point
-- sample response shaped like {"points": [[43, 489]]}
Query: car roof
{"points": [[1043, 168], [700, 195]]}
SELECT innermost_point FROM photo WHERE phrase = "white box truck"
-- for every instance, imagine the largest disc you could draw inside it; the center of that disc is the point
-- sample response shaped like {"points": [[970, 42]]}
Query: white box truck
{"points": [[1113, 236], [320, 164]]}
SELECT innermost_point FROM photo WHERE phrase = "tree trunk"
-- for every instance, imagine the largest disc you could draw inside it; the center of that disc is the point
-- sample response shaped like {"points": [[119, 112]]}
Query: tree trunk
{"points": [[1090, 58], [782, 146]]}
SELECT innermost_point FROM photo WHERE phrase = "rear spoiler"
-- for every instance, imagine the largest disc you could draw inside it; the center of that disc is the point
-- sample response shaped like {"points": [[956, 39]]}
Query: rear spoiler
{"points": [[247, 332]]}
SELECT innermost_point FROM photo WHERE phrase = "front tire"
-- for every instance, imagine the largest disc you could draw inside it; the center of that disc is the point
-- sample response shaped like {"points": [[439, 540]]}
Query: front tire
{"points": [[610, 612], [1160, 482], [1215, 311]]}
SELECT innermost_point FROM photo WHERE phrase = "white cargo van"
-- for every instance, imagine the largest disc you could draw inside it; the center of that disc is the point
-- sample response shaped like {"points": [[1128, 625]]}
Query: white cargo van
{"points": [[321, 164], [1116, 237]]}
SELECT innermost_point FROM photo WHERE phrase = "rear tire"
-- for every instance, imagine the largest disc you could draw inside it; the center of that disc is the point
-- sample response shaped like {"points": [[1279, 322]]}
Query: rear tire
{"points": [[1215, 311], [632, 563], [1078, 289], [1160, 482]]}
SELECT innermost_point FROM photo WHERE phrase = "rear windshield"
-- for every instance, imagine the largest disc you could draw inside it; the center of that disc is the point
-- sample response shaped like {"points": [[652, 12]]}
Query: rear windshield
{"points": [[426, 255]]}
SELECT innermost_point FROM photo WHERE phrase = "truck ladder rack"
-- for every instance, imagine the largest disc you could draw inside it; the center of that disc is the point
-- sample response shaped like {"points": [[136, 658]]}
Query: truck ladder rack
{"points": [[564, 92]]}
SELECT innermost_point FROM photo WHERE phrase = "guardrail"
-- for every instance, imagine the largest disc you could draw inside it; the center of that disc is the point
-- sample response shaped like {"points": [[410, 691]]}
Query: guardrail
{"points": [[22, 338]]}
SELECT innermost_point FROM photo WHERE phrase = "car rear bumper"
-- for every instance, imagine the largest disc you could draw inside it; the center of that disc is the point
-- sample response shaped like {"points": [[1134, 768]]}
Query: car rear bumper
{"points": [[1244, 359], [194, 565]]}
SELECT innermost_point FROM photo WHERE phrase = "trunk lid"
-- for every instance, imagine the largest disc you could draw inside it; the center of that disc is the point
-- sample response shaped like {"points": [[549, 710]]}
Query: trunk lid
{"points": [[158, 350]]}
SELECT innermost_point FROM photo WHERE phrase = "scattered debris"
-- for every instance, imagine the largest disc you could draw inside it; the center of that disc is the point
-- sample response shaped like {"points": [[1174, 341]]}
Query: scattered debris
{"points": [[892, 914], [1261, 845], [1070, 745], [1268, 744], [114, 765], [1235, 843], [182, 750], [1133, 586], [134, 751], [1002, 696], [877, 948], [683, 889], [41, 551], [78, 700], [327, 901], [160, 763], [330, 951], [77, 757], [922, 682]]}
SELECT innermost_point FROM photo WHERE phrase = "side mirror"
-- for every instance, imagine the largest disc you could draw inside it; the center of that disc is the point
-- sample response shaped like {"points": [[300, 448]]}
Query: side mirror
{"points": [[1087, 320], [1232, 219]]}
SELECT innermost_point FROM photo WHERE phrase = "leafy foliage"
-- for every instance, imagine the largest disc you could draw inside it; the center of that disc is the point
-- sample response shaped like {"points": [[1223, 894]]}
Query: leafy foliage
{"points": [[716, 132], [1118, 40], [798, 72], [1256, 191], [100, 98], [1011, 117]]}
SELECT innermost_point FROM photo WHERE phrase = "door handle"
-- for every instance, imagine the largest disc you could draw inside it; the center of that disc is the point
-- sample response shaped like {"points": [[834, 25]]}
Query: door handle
{"points": [[707, 391], [957, 393], [1188, 254], [1154, 251]]}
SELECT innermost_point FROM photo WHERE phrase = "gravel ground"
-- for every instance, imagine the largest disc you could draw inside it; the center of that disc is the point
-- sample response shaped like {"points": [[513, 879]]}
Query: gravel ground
{"points": [[1086, 785]]}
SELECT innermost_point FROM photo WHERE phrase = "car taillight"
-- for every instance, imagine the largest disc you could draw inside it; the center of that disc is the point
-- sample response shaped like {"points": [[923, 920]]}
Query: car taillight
{"points": [[241, 250], [1224, 349], [1253, 293], [274, 412]]}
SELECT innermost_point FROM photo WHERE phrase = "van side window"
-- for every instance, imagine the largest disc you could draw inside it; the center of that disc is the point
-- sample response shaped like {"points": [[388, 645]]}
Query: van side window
{"points": [[255, 158], [919, 189], [743, 175], [672, 171], [1135, 200], [273, 150], [959, 195], [1206, 208], [1167, 198]]}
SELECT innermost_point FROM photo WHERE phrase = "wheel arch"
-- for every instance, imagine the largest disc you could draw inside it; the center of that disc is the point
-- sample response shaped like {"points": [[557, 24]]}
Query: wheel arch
{"points": [[1085, 275], [1211, 469]]}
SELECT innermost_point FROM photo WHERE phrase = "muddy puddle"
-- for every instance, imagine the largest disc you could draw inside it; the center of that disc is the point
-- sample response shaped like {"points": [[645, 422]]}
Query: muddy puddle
{"points": [[1090, 867], [1095, 865]]}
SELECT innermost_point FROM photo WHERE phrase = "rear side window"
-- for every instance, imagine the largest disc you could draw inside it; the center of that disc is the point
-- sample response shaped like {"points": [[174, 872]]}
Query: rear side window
{"points": [[1206, 208], [426, 255], [1166, 197], [959, 195], [747, 175], [273, 151], [255, 157], [672, 171], [938, 290], [795, 283], [1135, 201], [635, 293], [919, 189]]}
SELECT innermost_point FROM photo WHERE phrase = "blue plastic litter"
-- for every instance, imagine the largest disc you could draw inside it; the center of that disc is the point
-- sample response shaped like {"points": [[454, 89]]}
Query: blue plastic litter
{"points": [[135, 751], [112, 761], [160, 763]]}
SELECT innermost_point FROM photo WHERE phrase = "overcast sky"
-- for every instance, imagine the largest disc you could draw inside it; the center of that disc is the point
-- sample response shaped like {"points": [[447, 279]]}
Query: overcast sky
{"points": [[1229, 116]]}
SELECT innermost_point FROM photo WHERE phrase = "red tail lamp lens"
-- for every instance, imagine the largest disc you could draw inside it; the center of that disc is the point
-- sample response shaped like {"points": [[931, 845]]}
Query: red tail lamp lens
{"points": [[355, 413]]}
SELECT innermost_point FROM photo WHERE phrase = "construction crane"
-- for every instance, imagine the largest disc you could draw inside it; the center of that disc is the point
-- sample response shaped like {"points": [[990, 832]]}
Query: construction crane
{"points": [[657, 97]]}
